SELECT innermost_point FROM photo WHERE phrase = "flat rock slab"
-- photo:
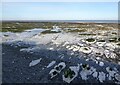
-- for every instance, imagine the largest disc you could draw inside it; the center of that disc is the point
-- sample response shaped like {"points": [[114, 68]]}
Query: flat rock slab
{"points": [[16, 66]]}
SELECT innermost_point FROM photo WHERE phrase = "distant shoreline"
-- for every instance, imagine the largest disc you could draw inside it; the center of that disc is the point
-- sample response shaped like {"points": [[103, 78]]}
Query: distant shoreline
{"points": [[66, 21]]}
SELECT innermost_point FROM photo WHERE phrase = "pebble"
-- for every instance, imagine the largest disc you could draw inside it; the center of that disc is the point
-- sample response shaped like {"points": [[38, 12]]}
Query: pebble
{"points": [[117, 76], [34, 62], [67, 46], [98, 58], [101, 76], [50, 48], [101, 63], [119, 63], [95, 74], [51, 64]]}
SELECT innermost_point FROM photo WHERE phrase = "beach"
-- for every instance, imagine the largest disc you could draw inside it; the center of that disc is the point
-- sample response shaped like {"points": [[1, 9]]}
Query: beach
{"points": [[30, 56]]}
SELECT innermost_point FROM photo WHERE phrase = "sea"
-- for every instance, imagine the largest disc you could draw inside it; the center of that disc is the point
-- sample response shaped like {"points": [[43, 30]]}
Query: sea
{"points": [[71, 21]]}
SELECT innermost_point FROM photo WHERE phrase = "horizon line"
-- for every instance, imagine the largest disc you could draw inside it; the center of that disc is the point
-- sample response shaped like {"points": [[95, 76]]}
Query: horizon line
{"points": [[67, 21]]}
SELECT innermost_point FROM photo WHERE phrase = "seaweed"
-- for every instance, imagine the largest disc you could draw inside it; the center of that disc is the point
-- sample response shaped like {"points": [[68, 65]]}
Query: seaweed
{"points": [[49, 31], [54, 73], [69, 73], [101, 40], [85, 49], [90, 40]]}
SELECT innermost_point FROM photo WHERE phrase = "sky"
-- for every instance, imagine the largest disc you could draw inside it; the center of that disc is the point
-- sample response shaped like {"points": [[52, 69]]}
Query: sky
{"points": [[60, 11], [60, 0]]}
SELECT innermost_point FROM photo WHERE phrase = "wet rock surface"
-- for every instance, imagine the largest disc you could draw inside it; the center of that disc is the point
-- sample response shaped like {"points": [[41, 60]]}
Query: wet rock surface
{"points": [[16, 66], [35, 57]]}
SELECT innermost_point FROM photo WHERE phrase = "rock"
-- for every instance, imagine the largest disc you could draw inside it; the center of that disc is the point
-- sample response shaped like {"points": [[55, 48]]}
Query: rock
{"points": [[75, 49], [111, 73], [70, 48], [101, 77], [100, 43], [101, 64], [75, 69], [61, 66], [53, 73], [34, 62], [57, 69], [85, 50], [67, 46], [95, 74], [85, 72], [51, 64], [51, 48], [117, 77]]}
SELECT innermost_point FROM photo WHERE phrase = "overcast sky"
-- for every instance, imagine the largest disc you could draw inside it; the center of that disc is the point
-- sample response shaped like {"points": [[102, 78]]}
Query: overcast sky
{"points": [[60, 11]]}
